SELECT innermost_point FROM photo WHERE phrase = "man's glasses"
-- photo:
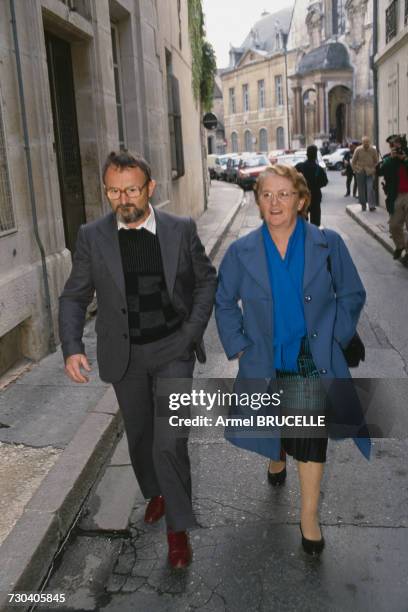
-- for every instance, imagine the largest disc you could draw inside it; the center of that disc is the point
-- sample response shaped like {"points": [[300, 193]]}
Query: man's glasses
{"points": [[280, 196], [134, 191]]}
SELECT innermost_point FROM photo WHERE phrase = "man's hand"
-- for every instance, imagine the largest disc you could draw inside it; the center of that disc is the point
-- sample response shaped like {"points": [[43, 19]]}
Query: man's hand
{"points": [[73, 366]]}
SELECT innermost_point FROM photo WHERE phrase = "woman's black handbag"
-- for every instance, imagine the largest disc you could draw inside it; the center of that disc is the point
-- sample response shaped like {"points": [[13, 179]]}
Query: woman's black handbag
{"points": [[355, 350]]}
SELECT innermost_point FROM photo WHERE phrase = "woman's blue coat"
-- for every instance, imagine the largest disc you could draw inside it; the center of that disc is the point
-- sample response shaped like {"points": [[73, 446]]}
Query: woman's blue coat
{"points": [[244, 313]]}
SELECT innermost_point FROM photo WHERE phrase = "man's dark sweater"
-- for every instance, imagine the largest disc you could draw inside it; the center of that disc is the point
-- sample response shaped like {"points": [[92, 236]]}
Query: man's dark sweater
{"points": [[150, 312]]}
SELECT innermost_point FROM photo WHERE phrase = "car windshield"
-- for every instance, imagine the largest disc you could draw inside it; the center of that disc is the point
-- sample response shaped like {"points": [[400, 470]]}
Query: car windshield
{"points": [[252, 162]]}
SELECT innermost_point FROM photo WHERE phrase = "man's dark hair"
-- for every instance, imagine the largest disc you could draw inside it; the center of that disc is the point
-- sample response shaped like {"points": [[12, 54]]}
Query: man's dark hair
{"points": [[124, 159], [311, 152]]}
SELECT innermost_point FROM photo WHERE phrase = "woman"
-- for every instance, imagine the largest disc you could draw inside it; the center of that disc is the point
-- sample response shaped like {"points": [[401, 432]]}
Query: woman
{"points": [[277, 311]]}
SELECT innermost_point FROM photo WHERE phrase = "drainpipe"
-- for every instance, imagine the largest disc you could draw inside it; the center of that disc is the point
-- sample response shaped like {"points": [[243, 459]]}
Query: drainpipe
{"points": [[51, 339], [375, 73], [285, 48], [375, 88]]}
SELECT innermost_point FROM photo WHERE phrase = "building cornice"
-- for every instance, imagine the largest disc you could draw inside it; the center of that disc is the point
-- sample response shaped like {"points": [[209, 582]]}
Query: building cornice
{"points": [[393, 47]]}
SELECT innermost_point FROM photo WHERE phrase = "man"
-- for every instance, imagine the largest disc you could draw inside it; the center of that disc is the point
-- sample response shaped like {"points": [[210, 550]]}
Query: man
{"points": [[349, 170], [316, 178], [394, 169], [363, 163], [155, 288]]}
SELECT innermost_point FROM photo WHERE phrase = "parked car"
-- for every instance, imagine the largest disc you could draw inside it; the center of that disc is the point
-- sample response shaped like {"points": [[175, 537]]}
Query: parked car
{"points": [[273, 155], [220, 166], [295, 157], [231, 171], [301, 156], [211, 164], [250, 169], [335, 161]]}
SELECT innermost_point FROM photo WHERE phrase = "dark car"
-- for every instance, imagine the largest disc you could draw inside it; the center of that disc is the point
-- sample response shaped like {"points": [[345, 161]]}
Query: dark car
{"points": [[250, 169]]}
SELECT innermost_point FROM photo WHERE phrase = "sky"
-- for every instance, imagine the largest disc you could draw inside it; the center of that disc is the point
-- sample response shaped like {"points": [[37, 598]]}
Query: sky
{"points": [[229, 21]]}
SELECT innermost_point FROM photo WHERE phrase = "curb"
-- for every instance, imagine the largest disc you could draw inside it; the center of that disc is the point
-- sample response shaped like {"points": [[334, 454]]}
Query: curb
{"points": [[370, 230], [213, 244], [27, 553]]}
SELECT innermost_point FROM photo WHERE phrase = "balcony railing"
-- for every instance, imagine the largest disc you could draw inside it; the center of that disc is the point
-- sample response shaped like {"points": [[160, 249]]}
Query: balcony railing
{"points": [[391, 20]]}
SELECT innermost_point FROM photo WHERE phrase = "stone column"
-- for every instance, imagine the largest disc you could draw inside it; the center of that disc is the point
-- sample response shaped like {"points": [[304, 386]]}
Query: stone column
{"points": [[321, 120], [296, 109]]}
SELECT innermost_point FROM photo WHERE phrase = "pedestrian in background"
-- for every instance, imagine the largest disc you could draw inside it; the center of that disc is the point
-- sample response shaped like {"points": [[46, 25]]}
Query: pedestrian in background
{"points": [[394, 169], [364, 163], [348, 170], [155, 288], [316, 178]]}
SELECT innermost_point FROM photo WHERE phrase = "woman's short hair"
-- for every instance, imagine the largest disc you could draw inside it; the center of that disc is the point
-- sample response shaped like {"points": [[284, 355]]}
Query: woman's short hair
{"points": [[297, 179]]}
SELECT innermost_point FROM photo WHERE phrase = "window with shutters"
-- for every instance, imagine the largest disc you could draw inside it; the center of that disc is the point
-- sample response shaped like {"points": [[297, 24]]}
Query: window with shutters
{"points": [[391, 21], [174, 116], [232, 107], [261, 94], [7, 222], [245, 98], [278, 91]]}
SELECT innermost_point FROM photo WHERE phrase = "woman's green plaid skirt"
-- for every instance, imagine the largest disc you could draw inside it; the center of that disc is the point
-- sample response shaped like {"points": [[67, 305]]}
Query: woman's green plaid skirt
{"points": [[304, 394]]}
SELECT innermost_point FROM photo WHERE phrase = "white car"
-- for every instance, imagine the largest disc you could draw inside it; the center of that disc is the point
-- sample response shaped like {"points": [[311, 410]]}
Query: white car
{"points": [[335, 161], [291, 159]]}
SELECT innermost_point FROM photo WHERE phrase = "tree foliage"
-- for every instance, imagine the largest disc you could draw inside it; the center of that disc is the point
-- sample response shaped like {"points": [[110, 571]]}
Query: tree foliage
{"points": [[203, 57]]}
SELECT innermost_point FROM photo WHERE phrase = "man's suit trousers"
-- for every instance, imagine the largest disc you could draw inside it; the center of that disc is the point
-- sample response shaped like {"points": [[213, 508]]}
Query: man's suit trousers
{"points": [[158, 451]]}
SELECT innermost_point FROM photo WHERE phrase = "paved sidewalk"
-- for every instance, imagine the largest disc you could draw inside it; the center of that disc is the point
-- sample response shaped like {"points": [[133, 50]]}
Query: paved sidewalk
{"points": [[56, 435], [375, 223]]}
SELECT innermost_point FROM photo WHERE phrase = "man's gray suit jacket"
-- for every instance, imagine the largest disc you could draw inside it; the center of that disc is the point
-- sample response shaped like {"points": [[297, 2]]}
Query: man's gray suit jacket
{"points": [[97, 265]]}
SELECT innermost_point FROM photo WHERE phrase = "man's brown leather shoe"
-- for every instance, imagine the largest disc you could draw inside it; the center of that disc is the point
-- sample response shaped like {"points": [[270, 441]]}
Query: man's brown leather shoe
{"points": [[154, 509], [180, 552]]}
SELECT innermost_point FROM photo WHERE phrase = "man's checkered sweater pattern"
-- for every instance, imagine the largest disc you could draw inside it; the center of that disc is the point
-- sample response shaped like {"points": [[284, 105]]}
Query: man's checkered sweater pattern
{"points": [[151, 315]]}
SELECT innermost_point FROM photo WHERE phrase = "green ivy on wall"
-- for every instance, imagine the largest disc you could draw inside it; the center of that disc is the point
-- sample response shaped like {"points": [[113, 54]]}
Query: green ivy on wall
{"points": [[203, 57]]}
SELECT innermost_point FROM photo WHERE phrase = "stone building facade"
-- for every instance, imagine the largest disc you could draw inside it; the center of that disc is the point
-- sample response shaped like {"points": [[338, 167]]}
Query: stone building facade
{"points": [[391, 62], [254, 91], [327, 48], [96, 75], [332, 84]]}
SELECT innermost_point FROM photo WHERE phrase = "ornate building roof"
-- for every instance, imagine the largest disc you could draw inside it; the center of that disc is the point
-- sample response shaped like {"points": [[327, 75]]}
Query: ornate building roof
{"points": [[264, 36], [331, 56]]}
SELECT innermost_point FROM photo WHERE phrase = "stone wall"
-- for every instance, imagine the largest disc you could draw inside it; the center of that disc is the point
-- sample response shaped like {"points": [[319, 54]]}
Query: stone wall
{"points": [[146, 29]]}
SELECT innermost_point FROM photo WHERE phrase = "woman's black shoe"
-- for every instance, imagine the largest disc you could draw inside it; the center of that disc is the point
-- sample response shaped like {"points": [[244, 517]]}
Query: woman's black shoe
{"points": [[277, 479], [312, 547]]}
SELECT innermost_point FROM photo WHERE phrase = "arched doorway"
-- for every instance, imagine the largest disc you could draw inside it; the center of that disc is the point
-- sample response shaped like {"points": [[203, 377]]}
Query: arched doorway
{"points": [[339, 113]]}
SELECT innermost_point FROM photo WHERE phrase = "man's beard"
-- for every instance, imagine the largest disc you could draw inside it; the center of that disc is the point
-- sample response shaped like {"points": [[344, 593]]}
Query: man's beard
{"points": [[129, 213]]}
